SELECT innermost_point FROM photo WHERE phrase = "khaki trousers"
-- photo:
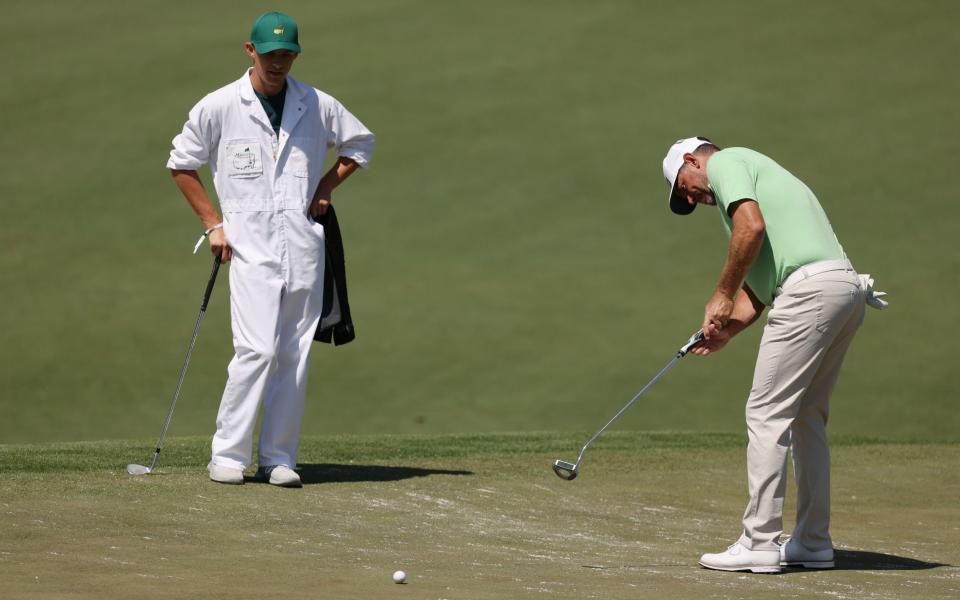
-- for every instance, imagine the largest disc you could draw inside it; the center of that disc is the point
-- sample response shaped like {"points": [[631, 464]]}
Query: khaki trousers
{"points": [[808, 330]]}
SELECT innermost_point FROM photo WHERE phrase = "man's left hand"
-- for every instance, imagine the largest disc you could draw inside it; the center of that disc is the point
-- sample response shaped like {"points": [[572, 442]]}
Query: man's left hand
{"points": [[717, 314], [319, 207]]}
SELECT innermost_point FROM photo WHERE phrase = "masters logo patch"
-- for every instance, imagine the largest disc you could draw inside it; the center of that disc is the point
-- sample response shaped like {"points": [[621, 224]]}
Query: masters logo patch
{"points": [[243, 159]]}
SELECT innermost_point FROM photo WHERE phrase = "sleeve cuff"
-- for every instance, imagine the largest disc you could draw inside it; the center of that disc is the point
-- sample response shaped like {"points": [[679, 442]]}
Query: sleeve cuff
{"points": [[358, 156], [183, 164]]}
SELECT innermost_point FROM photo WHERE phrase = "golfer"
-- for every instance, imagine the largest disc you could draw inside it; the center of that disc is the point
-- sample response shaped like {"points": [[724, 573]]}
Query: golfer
{"points": [[783, 253], [266, 138]]}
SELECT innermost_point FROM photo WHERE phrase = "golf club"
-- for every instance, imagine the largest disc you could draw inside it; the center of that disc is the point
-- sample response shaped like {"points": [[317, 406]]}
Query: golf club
{"points": [[142, 469], [568, 471]]}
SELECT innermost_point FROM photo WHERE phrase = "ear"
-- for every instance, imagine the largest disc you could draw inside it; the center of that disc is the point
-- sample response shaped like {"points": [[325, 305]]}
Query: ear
{"points": [[251, 51], [690, 159]]}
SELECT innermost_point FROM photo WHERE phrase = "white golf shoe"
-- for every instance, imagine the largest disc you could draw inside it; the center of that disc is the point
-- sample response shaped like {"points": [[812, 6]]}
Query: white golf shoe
{"points": [[740, 558], [222, 474], [280, 475], [792, 554]]}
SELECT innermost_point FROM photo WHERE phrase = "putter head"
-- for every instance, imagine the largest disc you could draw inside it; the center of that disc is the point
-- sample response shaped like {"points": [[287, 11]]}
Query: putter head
{"points": [[565, 470], [138, 470]]}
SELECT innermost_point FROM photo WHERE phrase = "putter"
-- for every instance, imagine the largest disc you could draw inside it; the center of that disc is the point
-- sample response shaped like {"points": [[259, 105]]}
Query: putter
{"points": [[568, 471], [142, 469]]}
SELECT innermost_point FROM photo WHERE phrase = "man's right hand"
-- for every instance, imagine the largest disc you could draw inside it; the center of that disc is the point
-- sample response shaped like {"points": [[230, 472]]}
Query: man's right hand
{"points": [[714, 344], [219, 245], [745, 310]]}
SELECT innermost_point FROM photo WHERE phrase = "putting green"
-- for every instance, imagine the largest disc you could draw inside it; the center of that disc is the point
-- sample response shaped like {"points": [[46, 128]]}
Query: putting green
{"points": [[465, 516]]}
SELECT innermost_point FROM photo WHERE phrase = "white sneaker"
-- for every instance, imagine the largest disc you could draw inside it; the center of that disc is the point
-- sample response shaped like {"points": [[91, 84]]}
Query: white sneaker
{"points": [[740, 558], [280, 475], [792, 554], [222, 474]]}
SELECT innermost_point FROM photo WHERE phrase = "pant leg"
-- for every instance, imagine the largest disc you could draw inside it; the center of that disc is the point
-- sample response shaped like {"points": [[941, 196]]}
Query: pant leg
{"points": [[254, 311], [790, 354], [283, 409], [811, 453], [301, 307]]}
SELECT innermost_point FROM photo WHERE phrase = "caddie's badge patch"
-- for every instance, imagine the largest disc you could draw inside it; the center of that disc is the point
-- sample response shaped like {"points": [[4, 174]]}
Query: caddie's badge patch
{"points": [[243, 158]]}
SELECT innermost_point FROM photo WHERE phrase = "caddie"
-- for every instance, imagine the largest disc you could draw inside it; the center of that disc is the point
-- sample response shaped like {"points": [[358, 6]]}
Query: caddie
{"points": [[266, 138], [784, 254]]}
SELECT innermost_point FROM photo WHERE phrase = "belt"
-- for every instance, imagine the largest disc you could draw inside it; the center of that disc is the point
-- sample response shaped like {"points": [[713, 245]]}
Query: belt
{"points": [[809, 270]]}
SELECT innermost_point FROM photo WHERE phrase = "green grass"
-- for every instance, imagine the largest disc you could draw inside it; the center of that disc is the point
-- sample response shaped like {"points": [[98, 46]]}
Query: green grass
{"points": [[466, 516], [191, 453], [512, 263], [188, 454]]}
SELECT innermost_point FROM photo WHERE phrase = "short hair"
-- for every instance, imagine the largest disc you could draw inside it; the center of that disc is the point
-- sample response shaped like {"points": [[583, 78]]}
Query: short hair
{"points": [[702, 149], [706, 145]]}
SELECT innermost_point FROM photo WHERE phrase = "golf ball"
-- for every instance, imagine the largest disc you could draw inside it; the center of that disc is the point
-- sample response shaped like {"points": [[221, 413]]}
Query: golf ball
{"points": [[399, 576]]}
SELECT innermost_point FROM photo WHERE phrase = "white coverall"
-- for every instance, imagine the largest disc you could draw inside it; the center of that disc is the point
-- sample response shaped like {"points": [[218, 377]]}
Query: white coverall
{"points": [[265, 183]]}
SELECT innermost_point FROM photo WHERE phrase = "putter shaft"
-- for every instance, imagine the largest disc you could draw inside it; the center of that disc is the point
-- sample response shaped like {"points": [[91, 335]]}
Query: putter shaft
{"points": [[560, 465]]}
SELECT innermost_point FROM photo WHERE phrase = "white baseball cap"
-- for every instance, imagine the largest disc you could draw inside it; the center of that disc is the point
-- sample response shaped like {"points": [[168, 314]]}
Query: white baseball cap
{"points": [[671, 167]]}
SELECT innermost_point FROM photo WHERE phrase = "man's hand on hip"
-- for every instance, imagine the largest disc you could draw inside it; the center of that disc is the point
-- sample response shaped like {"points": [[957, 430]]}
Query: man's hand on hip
{"points": [[337, 174], [319, 206]]}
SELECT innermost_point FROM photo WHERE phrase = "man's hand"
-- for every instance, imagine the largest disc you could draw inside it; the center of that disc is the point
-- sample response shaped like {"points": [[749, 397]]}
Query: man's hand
{"points": [[219, 245], [192, 189], [716, 314], [342, 169], [714, 344], [319, 206], [741, 314]]}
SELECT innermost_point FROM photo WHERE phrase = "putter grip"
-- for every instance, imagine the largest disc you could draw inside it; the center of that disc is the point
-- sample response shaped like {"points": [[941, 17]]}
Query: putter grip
{"points": [[693, 341], [213, 280]]}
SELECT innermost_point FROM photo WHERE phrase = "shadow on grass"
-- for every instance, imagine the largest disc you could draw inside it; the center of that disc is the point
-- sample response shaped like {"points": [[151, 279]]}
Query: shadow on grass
{"points": [[859, 560], [311, 474]]}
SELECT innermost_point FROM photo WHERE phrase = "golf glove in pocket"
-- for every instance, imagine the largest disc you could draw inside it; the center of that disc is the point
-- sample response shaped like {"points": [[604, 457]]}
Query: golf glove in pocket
{"points": [[874, 299]]}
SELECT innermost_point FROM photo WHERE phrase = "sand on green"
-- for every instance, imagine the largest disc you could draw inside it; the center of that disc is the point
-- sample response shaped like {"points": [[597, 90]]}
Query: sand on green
{"points": [[465, 516]]}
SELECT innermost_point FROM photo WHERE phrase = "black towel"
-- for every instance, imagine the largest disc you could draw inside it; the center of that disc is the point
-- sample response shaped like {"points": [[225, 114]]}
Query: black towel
{"points": [[335, 323]]}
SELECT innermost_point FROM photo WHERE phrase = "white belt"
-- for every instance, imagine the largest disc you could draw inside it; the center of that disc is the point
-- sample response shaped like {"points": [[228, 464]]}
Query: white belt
{"points": [[823, 266]]}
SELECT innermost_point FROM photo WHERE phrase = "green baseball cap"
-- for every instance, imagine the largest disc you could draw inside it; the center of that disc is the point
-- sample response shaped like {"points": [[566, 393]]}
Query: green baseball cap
{"points": [[274, 31]]}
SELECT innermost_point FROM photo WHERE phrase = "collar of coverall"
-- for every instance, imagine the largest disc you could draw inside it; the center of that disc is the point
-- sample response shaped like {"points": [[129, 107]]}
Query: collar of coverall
{"points": [[248, 94]]}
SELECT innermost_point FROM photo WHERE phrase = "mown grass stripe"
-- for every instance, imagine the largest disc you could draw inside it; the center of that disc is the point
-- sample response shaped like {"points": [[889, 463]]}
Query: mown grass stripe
{"points": [[193, 452]]}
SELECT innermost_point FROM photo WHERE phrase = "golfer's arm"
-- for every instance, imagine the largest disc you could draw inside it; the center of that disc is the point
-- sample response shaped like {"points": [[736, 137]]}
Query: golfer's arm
{"points": [[746, 310], [192, 189], [746, 238]]}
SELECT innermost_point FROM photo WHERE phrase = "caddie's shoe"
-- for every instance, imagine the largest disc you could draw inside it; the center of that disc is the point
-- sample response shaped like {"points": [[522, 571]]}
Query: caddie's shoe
{"points": [[740, 558], [222, 474], [280, 475], [792, 554]]}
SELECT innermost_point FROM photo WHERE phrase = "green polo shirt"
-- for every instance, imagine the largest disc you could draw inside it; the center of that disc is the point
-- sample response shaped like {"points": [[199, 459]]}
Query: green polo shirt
{"points": [[797, 230]]}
